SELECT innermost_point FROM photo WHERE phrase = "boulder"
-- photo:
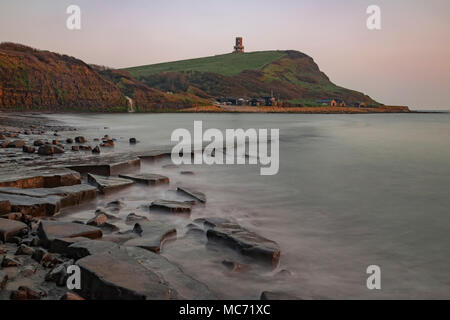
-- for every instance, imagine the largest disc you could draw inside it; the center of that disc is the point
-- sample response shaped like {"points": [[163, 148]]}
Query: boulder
{"points": [[98, 220], [147, 178], [69, 140], [28, 149], [133, 141], [171, 206], [108, 185], [11, 228], [152, 236], [96, 149], [75, 148], [244, 241], [51, 230], [197, 195], [16, 144], [47, 150], [38, 143], [80, 140], [24, 250]]}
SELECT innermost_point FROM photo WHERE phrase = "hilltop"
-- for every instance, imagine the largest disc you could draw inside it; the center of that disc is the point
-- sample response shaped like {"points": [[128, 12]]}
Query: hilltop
{"points": [[291, 76], [32, 79]]}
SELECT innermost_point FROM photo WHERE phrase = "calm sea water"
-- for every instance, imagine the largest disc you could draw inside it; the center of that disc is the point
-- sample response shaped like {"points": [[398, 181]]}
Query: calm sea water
{"points": [[352, 191]]}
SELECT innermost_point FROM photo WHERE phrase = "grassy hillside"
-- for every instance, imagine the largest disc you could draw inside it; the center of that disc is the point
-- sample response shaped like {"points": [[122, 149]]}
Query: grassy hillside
{"points": [[226, 64], [291, 75]]}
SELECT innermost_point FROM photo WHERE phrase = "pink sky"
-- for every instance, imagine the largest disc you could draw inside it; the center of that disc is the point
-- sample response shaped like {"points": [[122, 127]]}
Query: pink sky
{"points": [[406, 63]]}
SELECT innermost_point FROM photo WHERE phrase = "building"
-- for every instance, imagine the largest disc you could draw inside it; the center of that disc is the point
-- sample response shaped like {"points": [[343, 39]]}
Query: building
{"points": [[340, 103], [239, 47], [332, 103]]}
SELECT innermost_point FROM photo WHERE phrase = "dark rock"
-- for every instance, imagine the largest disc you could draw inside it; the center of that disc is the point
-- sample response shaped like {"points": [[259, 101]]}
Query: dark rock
{"points": [[107, 144], [38, 143], [69, 140], [107, 185], [71, 296], [147, 178], [25, 293], [153, 234], [39, 254], [55, 142], [85, 148], [16, 144], [48, 149], [24, 250], [98, 220], [11, 228], [16, 216], [244, 241], [59, 274], [60, 245], [86, 248], [109, 227], [9, 261], [51, 230], [28, 149], [106, 165], [96, 149], [267, 295], [171, 206], [133, 141], [193, 193], [80, 140], [187, 173], [132, 217]]}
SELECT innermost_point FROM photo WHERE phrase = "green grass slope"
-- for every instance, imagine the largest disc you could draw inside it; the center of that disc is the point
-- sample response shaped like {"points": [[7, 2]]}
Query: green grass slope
{"points": [[226, 64], [292, 76]]}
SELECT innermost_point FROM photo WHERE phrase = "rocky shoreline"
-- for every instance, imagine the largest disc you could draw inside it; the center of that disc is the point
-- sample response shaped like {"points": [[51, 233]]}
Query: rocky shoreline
{"points": [[47, 168]]}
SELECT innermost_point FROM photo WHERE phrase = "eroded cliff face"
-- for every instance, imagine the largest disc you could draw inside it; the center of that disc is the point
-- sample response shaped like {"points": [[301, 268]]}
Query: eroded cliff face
{"points": [[33, 79]]}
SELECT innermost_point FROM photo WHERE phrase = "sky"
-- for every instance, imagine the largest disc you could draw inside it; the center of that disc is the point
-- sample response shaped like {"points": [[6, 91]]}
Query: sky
{"points": [[407, 62]]}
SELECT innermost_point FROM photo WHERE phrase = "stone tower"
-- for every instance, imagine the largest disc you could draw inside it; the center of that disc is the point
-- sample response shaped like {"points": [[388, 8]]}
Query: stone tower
{"points": [[239, 47]]}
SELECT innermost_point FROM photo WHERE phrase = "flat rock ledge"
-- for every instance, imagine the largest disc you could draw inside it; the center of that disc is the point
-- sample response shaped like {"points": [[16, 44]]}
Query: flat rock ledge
{"points": [[152, 235], [108, 185], [171, 206], [129, 273], [197, 195], [242, 240], [150, 179], [38, 178], [47, 201], [48, 231]]}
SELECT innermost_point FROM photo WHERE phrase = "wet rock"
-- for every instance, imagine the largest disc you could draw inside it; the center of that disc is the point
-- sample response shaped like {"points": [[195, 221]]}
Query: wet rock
{"points": [[133, 141], [17, 216], [132, 217], [105, 165], [60, 245], [5, 144], [9, 262], [80, 140], [55, 142], [59, 274], [109, 227], [107, 144], [25, 293], [115, 205], [2, 137], [119, 238], [38, 143], [51, 230], [171, 206], [69, 140], [245, 242], [24, 250], [108, 185], [39, 254], [147, 178], [16, 144], [28, 149], [108, 215], [152, 236], [98, 220], [86, 248], [39, 178], [200, 196], [31, 241], [47, 201], [85, 148], [267, 295], [75, 148], [96, 149], [11, 228], [71, 296], [47, 150], [5, 207], [29, 271]]}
